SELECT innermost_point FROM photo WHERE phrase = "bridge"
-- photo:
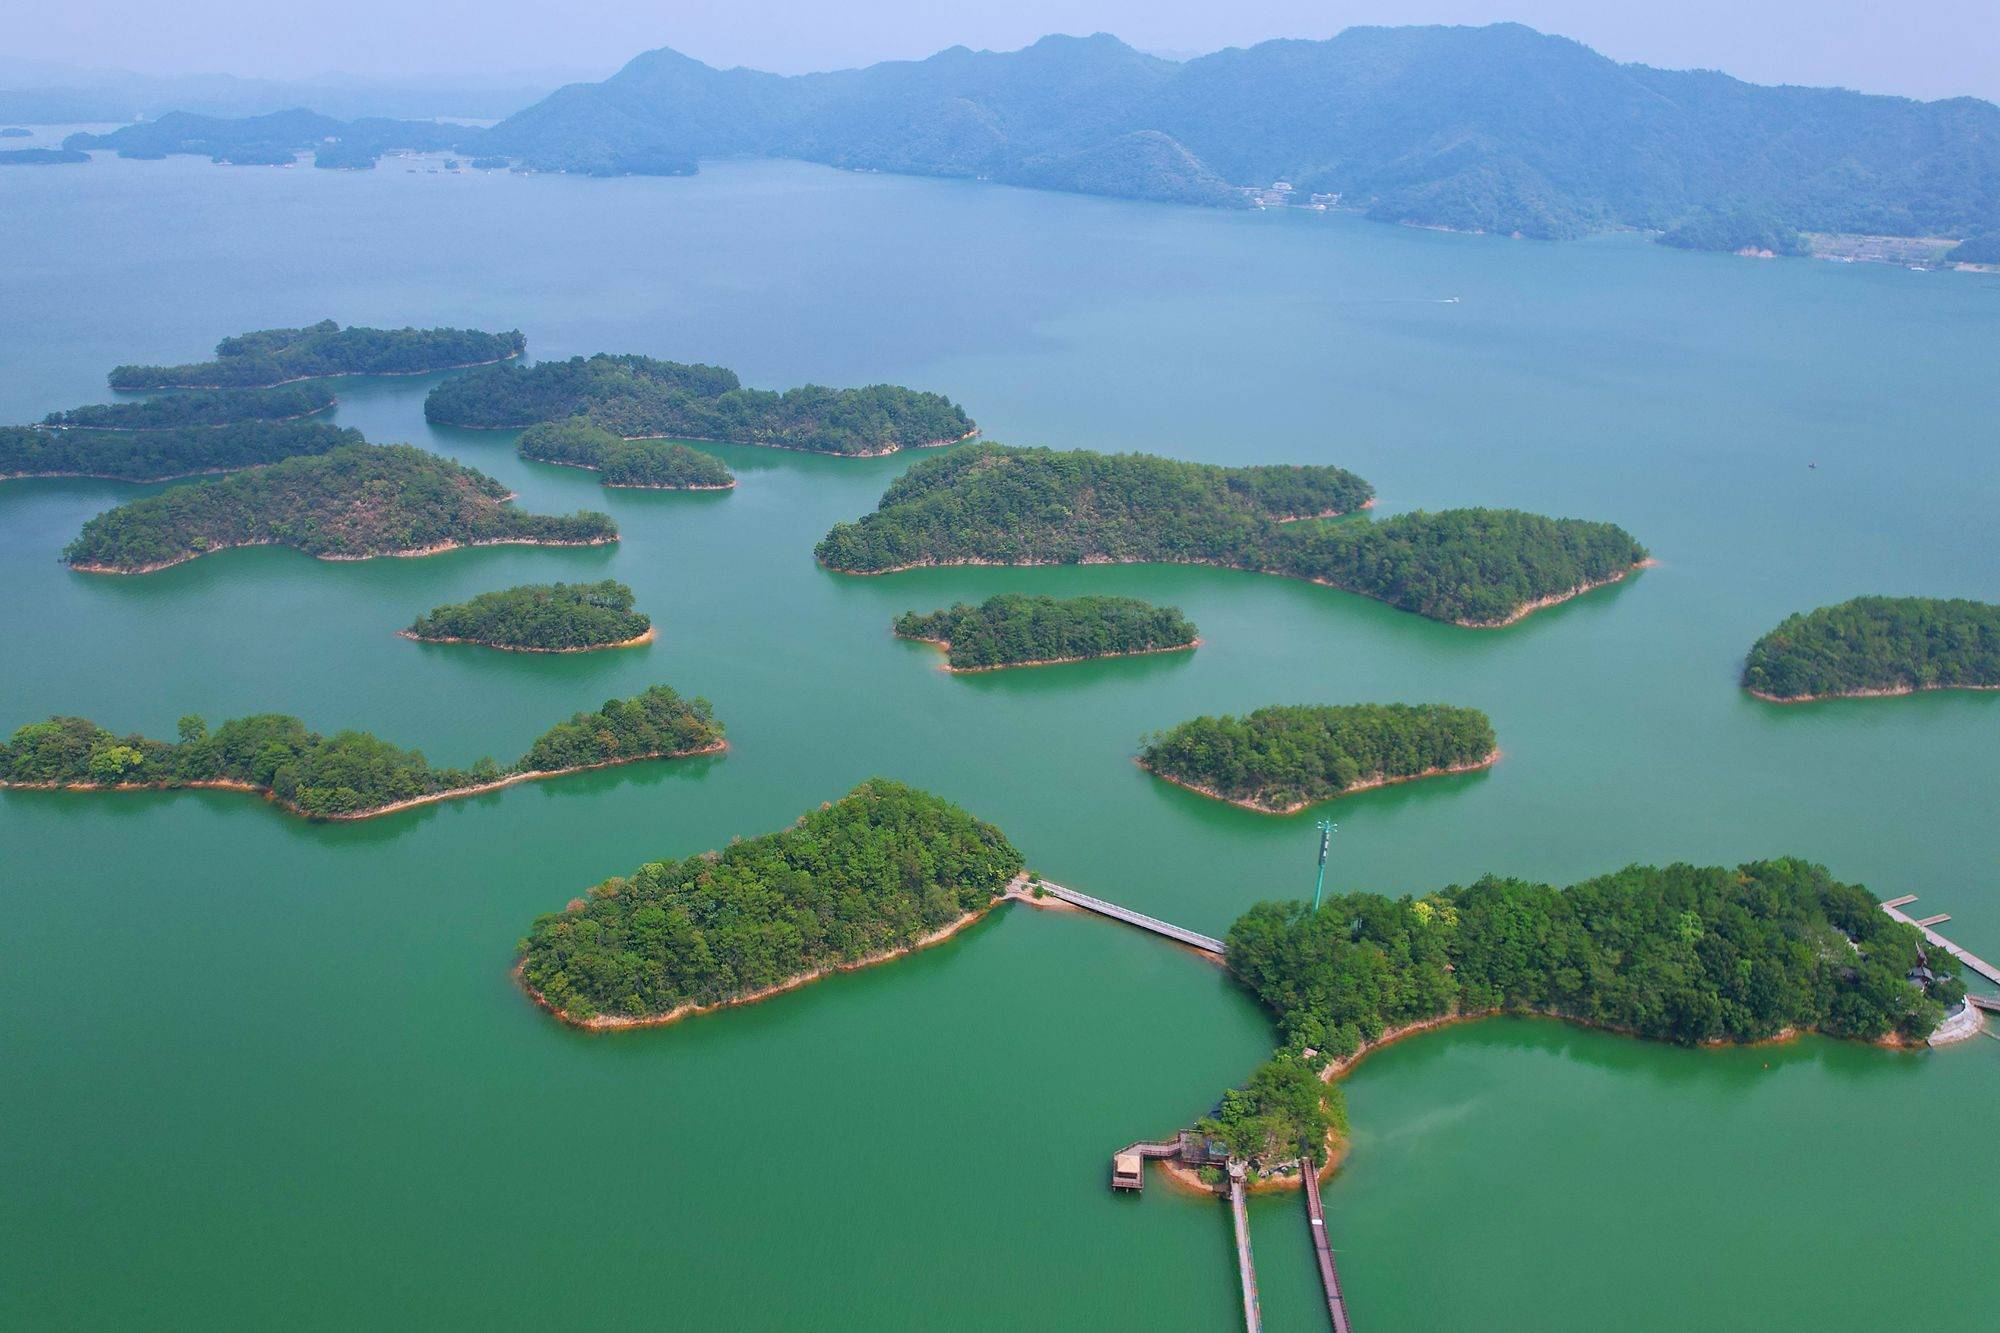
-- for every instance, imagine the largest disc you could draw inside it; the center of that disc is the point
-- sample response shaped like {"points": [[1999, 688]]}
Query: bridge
{"points": [[1329, 1275], [1972, 961], [1253, 1317], [1024, 889]]}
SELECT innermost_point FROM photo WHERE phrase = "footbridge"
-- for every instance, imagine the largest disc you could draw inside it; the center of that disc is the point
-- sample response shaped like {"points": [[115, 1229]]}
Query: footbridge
{"points": [[1972, 962], [1024, 889]]}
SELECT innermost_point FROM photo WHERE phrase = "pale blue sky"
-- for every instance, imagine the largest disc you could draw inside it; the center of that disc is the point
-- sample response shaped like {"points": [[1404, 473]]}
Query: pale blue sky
{"points": [[1935, 49]]}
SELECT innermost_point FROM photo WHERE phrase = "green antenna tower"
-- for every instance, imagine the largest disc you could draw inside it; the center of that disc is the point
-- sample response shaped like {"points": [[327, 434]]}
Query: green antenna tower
{"points": [[1327, 828]]}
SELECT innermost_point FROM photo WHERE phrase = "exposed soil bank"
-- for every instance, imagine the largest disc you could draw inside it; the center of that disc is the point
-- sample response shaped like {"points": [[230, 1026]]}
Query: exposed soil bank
{"points": [[647, 637], [1365, 784], [1048, 661], [1896, 693], [438, 548]]}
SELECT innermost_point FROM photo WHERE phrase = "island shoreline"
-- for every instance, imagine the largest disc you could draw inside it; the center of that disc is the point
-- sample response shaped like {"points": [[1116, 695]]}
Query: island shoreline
{"points": [[651, 633], [413, 553], [1368, 784], [331, 375], [1898, 693], [945, 644]]}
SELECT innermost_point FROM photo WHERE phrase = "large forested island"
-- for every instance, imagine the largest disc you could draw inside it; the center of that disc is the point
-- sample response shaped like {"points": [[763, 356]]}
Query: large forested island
{"points": [[885, 869], [162, 455], [660, 465], [358, 501], [202, 407], [638, 397], [1878, 646], [1000, 505], [279, 356], [1281, 759], [1686, 954], [1014, 629], [540, 618], [350, 774]]}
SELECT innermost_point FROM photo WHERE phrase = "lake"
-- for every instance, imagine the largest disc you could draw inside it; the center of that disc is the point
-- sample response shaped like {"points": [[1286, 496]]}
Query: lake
{"points": [[261, 1071]]}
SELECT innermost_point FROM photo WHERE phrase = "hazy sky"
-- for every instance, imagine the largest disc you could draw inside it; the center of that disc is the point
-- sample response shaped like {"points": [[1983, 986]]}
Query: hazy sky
{"points": [[1934, 49]]}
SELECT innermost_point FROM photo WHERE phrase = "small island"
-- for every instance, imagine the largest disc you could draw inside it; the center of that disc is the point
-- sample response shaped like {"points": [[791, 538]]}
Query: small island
{"points": [[163, 455], [999, 505], [358, 501], [271, 357], [1014, 630], [1878, 646], [1694, 955], [1280, 760], [885, 870], [639, 397], [41, 157], [659, 465], [202, 407], [350, 774], [540, 618]]}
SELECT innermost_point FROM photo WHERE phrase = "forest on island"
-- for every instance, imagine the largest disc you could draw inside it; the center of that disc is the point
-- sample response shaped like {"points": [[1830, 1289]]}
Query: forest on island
{"points": [[550, 617], [874, 871], [358, 500], [160, 455], [996, 504], [1013, 628], [201, 407], [1280, 758], [1876, 645], [345, 774], [641, 397], [618, 462], [276, 356]]}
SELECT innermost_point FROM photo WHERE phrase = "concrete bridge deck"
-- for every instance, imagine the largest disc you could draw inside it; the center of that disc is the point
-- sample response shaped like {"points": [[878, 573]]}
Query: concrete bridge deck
{"points": [[1208, 944]]}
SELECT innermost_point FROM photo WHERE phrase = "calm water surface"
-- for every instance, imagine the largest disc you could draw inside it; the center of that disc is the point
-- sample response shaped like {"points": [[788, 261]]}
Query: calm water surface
{"points": [[259, 1071]]}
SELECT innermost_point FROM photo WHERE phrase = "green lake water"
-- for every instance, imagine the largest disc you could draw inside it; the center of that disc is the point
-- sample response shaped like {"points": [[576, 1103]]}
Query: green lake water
{"points": [[260, 1072]]}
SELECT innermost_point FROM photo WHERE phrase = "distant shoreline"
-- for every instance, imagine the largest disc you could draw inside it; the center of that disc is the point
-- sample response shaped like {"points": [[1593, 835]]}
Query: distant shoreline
{"points": [[739, 444], [652, 632], [1896, 693], [438, 548], [329, 375]]}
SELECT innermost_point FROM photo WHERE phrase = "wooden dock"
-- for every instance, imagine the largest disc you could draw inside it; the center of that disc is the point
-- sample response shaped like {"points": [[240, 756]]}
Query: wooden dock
{"points": [[1972, 961], [1246, 1272], [1329, 1274], [1208, 944]]}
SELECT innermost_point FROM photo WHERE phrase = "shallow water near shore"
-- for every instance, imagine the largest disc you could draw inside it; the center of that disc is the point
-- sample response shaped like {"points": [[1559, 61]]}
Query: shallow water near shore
{"points": [[266, 1071]]}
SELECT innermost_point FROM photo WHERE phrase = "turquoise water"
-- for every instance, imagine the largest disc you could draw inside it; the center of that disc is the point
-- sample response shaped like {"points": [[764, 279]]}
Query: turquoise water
{"points": [[261, 1070]]}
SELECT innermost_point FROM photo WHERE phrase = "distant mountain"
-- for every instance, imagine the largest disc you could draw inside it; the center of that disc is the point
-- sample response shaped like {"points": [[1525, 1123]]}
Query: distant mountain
{"points": [[1495, 129]]}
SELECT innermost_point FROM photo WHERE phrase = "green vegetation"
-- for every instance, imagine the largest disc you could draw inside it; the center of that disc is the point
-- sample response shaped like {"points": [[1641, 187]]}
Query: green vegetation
{"points": [[539, 617], [994, 504], [358, 500], [163, 455], [1981, 249], [1016, 630], [208, 407], [350, 773], [40, 157], [1686, 954], [638, 397], [1878, 645], [878, 870], [279, 356], [1282, 759], [1283, 1113], [1735, 229], [274, 139], [651, 464]]}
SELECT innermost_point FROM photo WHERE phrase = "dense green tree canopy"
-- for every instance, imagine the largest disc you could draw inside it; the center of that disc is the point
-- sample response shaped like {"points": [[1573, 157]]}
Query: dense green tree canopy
{"points": [[1879, 645], [638, 397], [1012, 629], [1283, 1113], [346, 774], [994, 504], [279, 356], [201, 407], [1283, 758], [550, 617], [162, 455], [358, 500], [1679, 953], [645, 464], [872, 872]]}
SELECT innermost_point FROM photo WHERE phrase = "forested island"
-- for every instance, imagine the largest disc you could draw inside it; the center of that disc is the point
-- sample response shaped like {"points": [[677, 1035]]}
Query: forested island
{"points": [[639, 397], [1687, 954], [1878, 646], [540, 618], [162, 455], [1014, 629], [995, 504], [350, 774], [41, 157], [270, 357], [357, 501], [884, 870], [205, 407], [661, 465], [1280, 760]]}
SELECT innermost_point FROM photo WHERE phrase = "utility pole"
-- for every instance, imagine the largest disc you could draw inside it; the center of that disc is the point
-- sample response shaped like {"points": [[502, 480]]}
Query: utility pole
{"points": [[1327, 828]]}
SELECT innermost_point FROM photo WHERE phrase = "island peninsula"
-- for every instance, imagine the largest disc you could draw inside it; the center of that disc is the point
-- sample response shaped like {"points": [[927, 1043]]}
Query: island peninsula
{"points": [[269, 357], [350, 774], [358, 501], [993, 504], [169, 454], [1877, 646], [540, 618], [658, 465], [1015, 630]]}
